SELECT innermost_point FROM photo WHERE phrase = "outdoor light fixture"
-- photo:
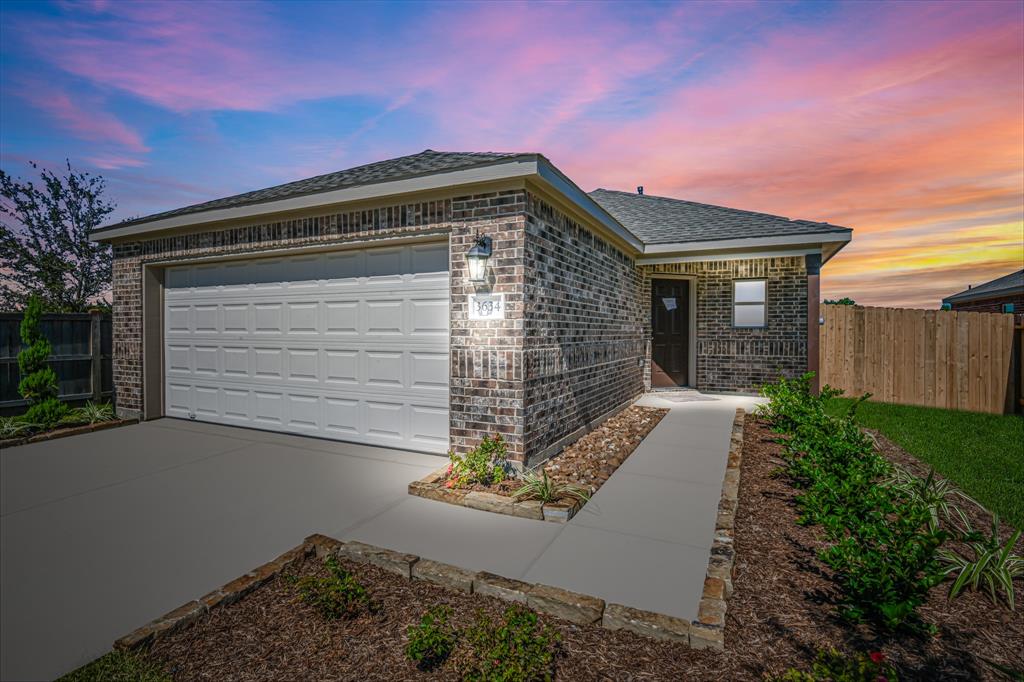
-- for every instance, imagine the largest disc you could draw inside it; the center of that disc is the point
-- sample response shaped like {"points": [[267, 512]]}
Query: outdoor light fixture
{"points": [[477, 257]]}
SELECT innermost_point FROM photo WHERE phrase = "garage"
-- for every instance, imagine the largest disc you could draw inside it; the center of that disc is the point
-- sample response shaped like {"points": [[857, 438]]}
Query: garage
{"points": [[350, 345]]}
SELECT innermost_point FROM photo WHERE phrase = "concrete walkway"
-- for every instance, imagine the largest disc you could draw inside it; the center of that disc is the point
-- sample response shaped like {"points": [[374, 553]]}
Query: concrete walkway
{"points": [[643, 540], [102, 532]]}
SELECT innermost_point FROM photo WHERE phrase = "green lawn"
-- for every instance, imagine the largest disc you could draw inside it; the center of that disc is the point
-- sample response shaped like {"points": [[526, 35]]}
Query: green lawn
{"points": [[982, 453]]}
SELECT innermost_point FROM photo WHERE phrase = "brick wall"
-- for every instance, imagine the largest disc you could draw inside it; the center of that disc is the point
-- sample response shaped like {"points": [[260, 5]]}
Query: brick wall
{"points": [[995, 305], [583, 328], [731, 359]]}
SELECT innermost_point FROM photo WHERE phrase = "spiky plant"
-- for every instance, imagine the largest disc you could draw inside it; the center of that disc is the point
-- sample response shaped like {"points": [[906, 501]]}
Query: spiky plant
{"points": [[91, 413], [937, 494], [545, 489], [993, 567]]}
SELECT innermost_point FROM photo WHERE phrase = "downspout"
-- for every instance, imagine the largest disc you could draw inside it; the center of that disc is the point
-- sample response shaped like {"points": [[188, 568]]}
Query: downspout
{"points": [[813, 261]]}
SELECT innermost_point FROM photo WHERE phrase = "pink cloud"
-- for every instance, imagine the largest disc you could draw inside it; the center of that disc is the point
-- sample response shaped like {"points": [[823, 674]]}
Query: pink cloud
{"points": [[83, 118]]}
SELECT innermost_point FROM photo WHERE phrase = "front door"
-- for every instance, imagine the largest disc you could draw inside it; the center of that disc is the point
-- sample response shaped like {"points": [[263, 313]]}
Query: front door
{"points": [[670, 343]]}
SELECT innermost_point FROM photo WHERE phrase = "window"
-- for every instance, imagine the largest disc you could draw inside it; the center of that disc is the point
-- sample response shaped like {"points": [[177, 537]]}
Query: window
{"points": [[748, 302], [1007, 307]]}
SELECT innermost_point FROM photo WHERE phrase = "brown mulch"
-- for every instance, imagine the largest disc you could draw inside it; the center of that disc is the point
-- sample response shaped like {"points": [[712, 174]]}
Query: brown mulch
{"points": [[591, 460], [781, 612]]}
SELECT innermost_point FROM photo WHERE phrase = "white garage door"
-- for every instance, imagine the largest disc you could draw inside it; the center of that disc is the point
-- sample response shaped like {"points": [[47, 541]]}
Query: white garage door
{"points": [[350, 345]]}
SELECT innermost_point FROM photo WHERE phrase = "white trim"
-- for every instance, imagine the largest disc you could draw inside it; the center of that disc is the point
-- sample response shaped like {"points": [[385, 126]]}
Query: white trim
{"points": [[513, 168], [564, 186], [751, 242], [733, 255]]}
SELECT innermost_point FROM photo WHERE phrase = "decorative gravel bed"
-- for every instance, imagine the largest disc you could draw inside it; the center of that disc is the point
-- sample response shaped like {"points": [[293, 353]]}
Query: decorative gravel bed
{"points": [[588, 462], [782, 610]]}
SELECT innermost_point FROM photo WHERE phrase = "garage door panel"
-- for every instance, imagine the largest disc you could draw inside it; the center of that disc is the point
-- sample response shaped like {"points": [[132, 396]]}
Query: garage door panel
{"points": [[350, 345]]}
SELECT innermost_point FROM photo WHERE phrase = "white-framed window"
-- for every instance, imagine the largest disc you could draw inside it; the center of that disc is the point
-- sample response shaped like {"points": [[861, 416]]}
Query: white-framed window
{"points": [[749, 303]]}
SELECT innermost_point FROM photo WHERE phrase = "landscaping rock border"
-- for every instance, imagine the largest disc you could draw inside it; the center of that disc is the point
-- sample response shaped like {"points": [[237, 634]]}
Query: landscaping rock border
{"points": [[707, 632], [432, 487], [64, 432]]}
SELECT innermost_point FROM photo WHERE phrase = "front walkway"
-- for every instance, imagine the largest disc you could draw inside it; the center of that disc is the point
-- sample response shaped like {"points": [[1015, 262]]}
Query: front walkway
{"points": [[643, 540], [103, 532]]}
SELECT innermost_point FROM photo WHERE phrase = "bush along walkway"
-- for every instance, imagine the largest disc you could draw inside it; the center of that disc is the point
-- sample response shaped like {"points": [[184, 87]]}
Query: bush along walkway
{"points": [[890, 536]]}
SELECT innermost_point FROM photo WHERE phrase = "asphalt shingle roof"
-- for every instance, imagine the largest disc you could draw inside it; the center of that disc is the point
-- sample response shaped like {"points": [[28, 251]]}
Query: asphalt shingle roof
{"points": [[1005, 284], [426, 162], [662, 220]]}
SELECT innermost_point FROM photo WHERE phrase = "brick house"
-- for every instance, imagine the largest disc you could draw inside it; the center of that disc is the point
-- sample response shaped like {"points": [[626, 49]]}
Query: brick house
{"points": [[1001, 295], [425, 301]]}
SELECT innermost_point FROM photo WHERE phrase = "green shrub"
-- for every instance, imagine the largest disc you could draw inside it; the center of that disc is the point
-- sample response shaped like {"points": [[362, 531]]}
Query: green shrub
{"points": [[542, 488], [487, 464], [832, 666], [90, 413], [432, 640], [338, 595], [517, 649], [883, 545], [16, 427], [39, 382], [993, 568]]}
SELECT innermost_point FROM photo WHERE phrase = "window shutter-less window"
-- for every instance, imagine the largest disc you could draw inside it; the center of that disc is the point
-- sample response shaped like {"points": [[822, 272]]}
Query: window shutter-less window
{"points": [[749, 297]]}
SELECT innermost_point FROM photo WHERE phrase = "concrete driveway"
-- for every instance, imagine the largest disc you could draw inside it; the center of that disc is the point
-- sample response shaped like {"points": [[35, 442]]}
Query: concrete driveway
{"points": [[103, 532]]}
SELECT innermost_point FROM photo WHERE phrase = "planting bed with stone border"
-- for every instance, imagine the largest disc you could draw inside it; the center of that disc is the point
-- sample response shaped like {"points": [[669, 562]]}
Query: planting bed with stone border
{"points": [[588, 462], [64, 432]]}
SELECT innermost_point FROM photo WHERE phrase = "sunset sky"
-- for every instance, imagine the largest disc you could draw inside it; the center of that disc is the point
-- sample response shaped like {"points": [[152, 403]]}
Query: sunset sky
{"points": [[902, 121]]}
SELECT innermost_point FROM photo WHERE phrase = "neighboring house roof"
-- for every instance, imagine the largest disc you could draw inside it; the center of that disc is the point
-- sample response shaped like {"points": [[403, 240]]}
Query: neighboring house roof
{"points": [[1012, 283], [662, 220], [426, 162]]}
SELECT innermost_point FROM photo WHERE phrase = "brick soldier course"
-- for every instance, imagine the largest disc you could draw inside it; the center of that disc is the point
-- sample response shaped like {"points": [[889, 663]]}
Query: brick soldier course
{"points": [[575, 271]]}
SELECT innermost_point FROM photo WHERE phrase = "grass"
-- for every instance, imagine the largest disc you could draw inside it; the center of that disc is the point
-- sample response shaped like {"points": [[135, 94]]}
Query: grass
{"points": [[982, 453], [119, 666]]}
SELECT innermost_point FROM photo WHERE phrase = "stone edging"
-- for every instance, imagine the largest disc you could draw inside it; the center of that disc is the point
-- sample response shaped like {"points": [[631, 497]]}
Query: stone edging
{"points": [[64, 432], [707, 632], [432, 487], [709, 628]]}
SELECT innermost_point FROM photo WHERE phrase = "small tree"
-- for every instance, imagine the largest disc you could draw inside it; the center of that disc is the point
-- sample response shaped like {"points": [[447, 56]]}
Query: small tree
{"points": [[846, 300], [44, 240], [39, 382]]}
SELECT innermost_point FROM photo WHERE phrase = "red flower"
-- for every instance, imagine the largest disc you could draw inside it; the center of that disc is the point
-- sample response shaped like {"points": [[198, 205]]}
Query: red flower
{"points": [[877, 657]]}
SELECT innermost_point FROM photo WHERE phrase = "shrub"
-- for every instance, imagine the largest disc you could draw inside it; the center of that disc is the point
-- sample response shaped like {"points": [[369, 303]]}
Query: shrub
{"points": [[338, 595], [937, 494], [542, 488], [90, 413], [883, 549], [486, 464], [517, 649], [432, 640], [15, 427], [832, 666], [993, 568], [39, 382]]}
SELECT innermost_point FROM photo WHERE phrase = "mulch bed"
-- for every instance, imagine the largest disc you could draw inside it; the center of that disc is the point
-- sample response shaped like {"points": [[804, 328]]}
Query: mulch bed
{"points": [[782, 610], [591, 460]]}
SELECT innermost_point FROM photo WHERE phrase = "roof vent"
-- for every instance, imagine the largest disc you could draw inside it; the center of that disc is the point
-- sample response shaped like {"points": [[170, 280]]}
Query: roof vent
{"points": [[640, 189]]}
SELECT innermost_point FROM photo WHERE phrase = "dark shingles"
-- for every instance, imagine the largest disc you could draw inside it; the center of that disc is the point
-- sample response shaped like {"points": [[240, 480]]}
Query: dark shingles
{"points": [[426, 162], [661, 220], [1001, 285]]}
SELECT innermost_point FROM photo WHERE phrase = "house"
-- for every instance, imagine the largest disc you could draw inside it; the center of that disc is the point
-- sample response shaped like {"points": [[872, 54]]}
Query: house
{"points": [[1001, 295], [426, 301]]}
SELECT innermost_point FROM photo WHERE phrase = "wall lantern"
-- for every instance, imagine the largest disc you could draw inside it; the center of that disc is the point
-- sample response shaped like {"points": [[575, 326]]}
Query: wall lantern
{"points": [[477, 257]]}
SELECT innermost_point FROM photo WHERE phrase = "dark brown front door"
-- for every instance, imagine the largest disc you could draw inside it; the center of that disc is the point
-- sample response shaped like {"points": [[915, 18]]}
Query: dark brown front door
{"points": [[670, 344]]}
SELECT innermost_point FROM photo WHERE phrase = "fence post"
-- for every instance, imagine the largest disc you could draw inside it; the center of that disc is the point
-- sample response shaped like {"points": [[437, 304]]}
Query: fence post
{"points": [[96, 347]]}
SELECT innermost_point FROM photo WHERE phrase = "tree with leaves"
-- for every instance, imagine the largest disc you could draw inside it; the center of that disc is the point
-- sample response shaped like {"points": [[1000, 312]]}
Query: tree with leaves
{"points": [[44, 240]]}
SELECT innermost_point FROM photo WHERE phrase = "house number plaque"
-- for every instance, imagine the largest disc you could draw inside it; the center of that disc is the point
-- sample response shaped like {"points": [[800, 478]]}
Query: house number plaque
{"points": [[487, 306]]}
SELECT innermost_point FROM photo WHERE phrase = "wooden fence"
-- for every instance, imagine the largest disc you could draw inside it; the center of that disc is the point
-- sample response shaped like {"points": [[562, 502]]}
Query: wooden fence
{"points": [[950, 359], [81, 357]]}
